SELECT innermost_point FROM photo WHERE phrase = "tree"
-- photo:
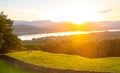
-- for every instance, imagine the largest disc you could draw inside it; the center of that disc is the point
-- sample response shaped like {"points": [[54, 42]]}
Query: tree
{"points": [[8, 40]]}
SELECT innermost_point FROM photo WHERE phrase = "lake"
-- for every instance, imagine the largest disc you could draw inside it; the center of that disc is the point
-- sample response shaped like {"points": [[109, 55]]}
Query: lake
{"points": [[30, 37]]}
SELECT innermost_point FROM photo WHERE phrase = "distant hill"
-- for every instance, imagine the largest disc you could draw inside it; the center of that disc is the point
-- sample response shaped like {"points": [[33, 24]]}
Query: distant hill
{"points": [[34, 27], [43, 24], [28, 29], [105, 25]]}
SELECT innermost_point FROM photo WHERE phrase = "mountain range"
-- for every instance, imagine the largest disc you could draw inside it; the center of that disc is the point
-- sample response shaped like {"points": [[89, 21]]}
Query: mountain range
{"points": [[37, 27]]}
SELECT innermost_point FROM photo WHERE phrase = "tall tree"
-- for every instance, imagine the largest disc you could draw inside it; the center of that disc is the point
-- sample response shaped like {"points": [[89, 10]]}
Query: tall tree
{"points": [[8, 40]]}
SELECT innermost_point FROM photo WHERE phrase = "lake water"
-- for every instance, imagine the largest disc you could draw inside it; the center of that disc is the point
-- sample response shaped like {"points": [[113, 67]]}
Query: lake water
{"points": [[30, 37]]}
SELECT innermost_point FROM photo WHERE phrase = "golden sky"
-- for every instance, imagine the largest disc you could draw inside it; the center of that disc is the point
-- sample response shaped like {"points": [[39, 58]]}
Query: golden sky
{"points": [[77, 11]]}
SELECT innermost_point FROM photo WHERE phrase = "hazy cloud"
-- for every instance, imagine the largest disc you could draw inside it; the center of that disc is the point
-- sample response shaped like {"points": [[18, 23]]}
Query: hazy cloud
{"points": [[105, 11]]}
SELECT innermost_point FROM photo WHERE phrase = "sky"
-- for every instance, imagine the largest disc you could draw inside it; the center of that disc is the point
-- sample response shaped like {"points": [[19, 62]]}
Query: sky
{"points": [[77, 11]]}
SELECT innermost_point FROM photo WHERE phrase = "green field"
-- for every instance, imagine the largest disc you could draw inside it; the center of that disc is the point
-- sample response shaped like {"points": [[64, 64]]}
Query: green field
{"points": [[63, 61], [5, 67]]}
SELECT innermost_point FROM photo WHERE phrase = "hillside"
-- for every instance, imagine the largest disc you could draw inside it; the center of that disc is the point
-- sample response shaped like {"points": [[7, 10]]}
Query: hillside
{"points": [[63, 61]]}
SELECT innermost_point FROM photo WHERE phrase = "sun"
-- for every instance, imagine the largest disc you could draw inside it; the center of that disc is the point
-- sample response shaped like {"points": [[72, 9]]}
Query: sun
{"points": [[82, 17], [78, 22], [92, 17], [75, 15]]}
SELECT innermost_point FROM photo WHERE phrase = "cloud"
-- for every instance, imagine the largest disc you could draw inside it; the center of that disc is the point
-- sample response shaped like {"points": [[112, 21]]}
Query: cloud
{"points": [[105, 11]]}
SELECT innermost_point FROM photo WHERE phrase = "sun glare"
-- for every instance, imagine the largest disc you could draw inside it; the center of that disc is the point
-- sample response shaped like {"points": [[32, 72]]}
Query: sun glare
{"points": [[75, 15], [80, 18]]}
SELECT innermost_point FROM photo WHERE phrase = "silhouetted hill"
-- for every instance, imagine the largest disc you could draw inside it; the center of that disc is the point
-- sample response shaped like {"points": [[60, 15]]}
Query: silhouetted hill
{"points": [[28, 29], [34, 27], [105, 25]]}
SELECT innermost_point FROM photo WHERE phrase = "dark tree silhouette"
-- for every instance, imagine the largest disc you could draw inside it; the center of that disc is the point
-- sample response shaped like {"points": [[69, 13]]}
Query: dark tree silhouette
{"points": [[8, 40]]}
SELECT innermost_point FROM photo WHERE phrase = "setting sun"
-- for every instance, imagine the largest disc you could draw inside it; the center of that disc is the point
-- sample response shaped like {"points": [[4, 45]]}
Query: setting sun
{"points": [[73, 14], [78, 17]]}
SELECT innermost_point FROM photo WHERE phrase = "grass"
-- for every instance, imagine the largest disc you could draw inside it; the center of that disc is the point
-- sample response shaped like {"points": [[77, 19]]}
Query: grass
{"points": [[5, 67], [63, 61]]}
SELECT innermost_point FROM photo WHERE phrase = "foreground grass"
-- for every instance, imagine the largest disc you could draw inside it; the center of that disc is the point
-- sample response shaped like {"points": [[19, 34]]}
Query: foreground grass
{"points": [[62, 61], [5, 67]]}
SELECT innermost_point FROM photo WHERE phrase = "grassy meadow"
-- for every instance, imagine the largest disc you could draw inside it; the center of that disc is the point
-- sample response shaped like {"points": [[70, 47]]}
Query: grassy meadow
{"points": [[63, 61]]}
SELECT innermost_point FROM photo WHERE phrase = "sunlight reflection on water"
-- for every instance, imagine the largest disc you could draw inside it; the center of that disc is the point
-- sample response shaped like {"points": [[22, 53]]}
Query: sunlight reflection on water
{"points": [[30, 37]]}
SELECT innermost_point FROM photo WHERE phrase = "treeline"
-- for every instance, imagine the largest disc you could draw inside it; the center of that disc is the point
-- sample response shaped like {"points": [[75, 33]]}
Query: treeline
{"points": [[83, 45]]}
